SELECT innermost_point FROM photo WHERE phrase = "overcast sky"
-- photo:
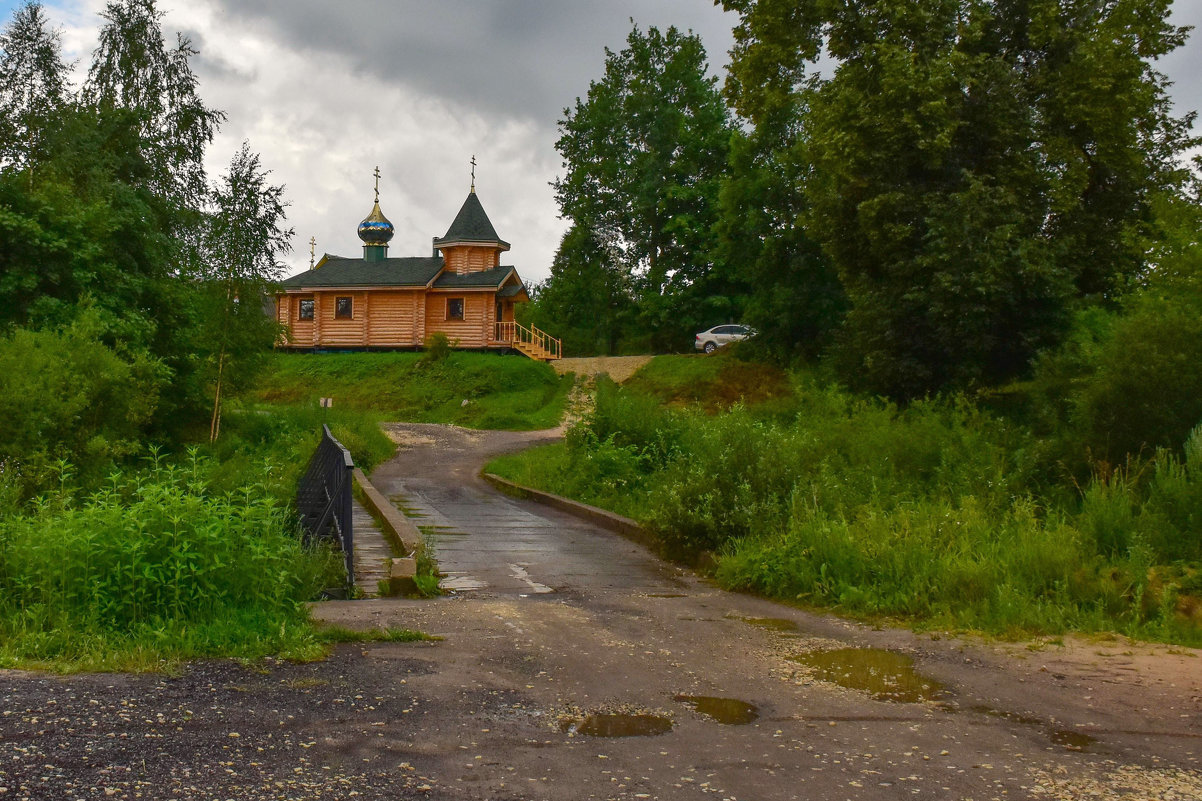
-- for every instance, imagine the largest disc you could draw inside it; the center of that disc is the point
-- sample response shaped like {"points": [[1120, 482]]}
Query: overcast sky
{"points": [[326, 91]]}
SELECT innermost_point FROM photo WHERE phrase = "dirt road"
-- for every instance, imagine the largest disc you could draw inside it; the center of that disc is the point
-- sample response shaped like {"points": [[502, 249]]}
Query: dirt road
{"points": [[560, 636], [619, 368]]}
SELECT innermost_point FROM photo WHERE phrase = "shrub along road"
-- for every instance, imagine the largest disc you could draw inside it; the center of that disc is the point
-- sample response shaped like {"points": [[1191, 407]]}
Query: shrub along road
{"points": [[561, 633]]}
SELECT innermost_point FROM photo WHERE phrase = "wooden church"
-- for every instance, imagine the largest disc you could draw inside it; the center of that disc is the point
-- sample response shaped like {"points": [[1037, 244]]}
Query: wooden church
{"points": [[379, 302]]}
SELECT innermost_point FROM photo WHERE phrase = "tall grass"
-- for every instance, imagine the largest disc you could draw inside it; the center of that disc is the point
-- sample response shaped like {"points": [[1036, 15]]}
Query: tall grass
{"points": [[156, 566], [939, 513], [270, 444]]}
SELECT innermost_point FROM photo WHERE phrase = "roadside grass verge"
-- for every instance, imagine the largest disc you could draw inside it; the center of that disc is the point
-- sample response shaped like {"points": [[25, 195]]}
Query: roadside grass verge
{"points": [[474, 390], [597, 476], [940, 514]]}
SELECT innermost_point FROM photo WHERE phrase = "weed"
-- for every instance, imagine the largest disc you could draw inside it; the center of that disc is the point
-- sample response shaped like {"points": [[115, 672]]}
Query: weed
{"points": [[427, 576]]}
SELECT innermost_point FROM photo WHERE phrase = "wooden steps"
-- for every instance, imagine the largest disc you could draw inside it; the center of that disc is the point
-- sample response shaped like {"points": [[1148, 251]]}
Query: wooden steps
{"points": [[530, 341]]}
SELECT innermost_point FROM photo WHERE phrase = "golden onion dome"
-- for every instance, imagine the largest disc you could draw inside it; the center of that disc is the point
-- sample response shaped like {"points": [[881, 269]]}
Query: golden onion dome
{"points": [[375, 228]]}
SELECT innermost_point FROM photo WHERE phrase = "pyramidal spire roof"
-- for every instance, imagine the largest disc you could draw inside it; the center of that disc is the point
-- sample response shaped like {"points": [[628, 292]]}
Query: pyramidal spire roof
{"points": [[471, 227]]}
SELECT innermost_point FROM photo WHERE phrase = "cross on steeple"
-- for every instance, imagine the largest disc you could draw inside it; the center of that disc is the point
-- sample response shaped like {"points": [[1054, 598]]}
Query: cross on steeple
{"points": [[377, 184], [312, 250], [473, 173]]}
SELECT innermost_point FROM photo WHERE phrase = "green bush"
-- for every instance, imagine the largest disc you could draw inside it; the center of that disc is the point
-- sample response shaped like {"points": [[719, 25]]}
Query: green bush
{"points": [[68, 397], [438, 347], [156, 564], [1146, 392], [734, 475]]}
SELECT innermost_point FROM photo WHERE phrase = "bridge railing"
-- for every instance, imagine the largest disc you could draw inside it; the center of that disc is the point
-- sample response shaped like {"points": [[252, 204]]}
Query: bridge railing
{"points": [[323, 498]]}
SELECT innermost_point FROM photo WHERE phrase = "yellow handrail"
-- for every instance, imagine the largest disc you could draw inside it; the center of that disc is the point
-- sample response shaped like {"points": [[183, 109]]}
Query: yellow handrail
{"points": [[514, 332]]}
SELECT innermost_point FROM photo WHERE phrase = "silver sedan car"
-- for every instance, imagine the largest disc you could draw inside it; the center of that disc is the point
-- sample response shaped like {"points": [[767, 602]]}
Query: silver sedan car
{"points": [[709, 341]]}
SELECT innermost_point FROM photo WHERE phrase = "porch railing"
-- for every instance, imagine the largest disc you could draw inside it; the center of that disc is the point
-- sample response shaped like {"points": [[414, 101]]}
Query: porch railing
{"points": [[516, 333], [323, 498]]}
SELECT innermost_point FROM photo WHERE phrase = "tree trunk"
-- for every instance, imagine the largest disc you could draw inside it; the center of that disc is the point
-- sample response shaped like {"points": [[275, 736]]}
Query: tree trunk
{"points": [[215, 424]]}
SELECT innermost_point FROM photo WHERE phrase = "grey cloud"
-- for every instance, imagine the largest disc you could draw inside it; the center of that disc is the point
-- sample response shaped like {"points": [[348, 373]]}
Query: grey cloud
{"points": [[525, 58], [209, 63], [531, 58]]}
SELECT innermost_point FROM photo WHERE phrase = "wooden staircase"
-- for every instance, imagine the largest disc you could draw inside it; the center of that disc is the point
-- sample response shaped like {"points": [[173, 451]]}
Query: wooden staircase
{"points": [[532, 342]]}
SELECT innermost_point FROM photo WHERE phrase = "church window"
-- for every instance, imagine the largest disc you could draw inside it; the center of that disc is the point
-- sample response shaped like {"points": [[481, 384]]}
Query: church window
{"points": [[454, 308], [342, 308], [305, 310]]}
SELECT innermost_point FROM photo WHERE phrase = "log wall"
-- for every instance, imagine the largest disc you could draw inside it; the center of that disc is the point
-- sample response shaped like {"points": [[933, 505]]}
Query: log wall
{"points": [[468, 259], [384, 318], [474, 330], [393, 319], [341, 332]]}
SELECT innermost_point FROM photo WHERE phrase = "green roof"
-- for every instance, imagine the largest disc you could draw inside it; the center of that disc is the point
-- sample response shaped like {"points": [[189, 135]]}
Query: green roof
{"points": [[471, 225], [490, 279], [511, 290], [340, 271]]}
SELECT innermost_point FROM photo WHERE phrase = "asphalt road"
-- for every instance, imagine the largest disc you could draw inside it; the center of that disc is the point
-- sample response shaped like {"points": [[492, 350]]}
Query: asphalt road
{"points": [[556, 636]]}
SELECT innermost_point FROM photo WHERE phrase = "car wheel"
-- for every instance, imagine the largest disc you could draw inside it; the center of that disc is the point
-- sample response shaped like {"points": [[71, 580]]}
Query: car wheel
{"points": [[710, 347]]}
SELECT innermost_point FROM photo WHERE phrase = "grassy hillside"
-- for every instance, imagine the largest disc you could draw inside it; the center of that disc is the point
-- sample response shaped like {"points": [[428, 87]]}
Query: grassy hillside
{"points": [[713, 383], [475, 390]]}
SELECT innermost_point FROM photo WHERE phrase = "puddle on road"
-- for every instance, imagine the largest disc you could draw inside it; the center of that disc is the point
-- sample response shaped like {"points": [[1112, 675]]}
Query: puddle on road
{"points": [[617, 724], [1026, 720], [1071, 740], [666, 595], [770, 623], [884, 675], [730, 711]]}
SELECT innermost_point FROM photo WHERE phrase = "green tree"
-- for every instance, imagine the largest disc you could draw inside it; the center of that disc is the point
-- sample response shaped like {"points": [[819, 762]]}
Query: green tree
{"points": [[245, 236], [588, 301], [80, 231], [33, 86], [643, 154], [969, 167], [794, 298], [1130, 381], [133, 71]]}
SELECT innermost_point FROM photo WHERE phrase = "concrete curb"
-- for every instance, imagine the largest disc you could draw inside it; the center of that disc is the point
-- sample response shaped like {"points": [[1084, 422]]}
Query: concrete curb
{"points": [[396, 526], [607, 520]]}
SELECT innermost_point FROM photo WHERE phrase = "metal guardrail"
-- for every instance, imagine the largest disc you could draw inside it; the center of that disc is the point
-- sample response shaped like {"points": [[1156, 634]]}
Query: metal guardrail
{"points": [[323, 498]]}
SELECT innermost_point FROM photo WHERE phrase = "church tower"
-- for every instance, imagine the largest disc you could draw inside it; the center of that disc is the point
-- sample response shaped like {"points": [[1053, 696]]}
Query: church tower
{"points": [[376, 231], [471, 244]]}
